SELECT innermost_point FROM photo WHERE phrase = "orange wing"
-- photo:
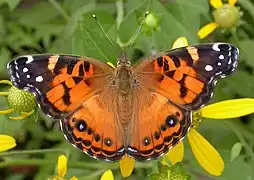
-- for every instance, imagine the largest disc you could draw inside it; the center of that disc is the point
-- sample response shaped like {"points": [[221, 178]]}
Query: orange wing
{"points": [[94, 129], [170, 86], [77, 91], [60, 83], [157, 125]]}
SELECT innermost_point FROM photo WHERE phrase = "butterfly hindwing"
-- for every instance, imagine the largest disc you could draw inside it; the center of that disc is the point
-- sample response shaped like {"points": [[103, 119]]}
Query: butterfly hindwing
{"points": [[158, 125], [59, 82], [94, 129]]}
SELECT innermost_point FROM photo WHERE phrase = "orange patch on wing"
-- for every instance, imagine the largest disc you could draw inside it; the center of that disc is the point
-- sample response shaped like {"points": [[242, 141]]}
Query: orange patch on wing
{"points": [[194, 84], [90, 71], [190, 96], [178, 75], [171, 63], [59, 79], [59, 104], [75, 71], [55, 93], [70, 83]]}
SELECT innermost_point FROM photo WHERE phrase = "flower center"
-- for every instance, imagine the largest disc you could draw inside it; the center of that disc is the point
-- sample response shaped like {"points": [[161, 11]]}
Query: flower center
{"points": [[227, 16]]}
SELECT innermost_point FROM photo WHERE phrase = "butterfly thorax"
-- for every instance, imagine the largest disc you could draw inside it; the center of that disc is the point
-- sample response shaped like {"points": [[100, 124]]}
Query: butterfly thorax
{"points": [[124, 81]]}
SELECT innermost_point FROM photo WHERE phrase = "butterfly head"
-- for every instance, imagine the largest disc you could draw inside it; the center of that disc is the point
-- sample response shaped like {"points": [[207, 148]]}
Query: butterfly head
{"points": [[123, 61]]}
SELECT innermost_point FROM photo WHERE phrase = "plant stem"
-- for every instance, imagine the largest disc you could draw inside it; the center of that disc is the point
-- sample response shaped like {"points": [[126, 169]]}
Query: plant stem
{"points": [[36, 151], [60, 9], [241, 138], [119, 19], [248, 6]]}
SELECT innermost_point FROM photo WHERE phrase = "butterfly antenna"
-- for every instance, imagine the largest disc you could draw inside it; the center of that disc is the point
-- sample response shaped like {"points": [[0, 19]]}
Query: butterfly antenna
{"points": [[103, 31], [135, 35]]}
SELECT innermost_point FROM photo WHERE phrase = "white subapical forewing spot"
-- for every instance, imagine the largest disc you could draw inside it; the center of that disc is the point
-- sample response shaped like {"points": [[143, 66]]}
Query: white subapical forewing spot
{"points": [[29, 59], [25, 70], [28, 76], [39, 79], [208, 68], [221, 57], [216, 46]]}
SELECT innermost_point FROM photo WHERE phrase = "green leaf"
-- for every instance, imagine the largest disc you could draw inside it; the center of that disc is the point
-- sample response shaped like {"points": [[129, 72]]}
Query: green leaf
{"points": [[246, 51], [11, 3], [236, 150], [92, 42]]}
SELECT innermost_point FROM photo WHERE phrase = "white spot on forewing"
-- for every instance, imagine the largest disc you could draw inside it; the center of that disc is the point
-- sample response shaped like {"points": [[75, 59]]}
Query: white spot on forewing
{"points": [[28, 76], [219, 63], [229, 61], [17, 74], [216, 46], [208, 68], [25, 70], [39, 79], [221, 57], [29, 59]]}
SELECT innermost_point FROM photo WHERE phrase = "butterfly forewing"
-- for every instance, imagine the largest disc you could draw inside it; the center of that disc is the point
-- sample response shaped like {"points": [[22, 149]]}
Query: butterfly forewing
{"points": [[60, 83]]}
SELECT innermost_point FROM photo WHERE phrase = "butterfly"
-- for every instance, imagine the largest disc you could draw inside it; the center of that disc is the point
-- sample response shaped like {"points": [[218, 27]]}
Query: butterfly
{"points": [[141, 110]]}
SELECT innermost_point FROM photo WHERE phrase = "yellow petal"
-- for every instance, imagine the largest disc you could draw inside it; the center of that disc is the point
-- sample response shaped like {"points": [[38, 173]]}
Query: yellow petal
{"points": [[74, 178], [216, 3], [112, 65], [6, 142], [228, 109], [205, 153], [62, 166], [7, 111], [126, 166], [180, 42], [206, 30], [175, 154], [107, 175], [232, 2]]}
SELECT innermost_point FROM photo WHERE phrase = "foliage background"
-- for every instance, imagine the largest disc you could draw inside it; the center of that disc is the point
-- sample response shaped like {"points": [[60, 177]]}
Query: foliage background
{"points": [[66, 26]]}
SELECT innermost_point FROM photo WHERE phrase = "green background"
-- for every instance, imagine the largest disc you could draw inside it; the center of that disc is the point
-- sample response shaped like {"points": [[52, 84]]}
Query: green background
{"points": [[67, 27]]}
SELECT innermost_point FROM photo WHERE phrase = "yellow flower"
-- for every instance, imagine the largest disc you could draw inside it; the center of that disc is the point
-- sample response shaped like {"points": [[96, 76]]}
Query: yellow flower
{"points": [[62, 169], [204, 152], [225, 16], [107, 175], [6, 142], [19, 101]]}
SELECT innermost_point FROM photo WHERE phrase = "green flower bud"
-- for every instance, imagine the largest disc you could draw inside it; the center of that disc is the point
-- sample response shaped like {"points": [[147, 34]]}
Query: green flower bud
{"points": [[227, 16], [21, 100], [175, 172]]}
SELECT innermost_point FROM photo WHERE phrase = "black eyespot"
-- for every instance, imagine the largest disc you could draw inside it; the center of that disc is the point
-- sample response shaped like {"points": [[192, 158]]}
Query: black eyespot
{"points": [[86, 142], [168, 138], [89, 131], [108, 142], [146, 141], [81, 125], [163, 127], [157, 135], [171, 121], [97, 137]]}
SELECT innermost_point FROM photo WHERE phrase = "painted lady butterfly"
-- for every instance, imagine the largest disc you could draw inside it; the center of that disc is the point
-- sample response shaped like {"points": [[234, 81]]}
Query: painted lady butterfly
{"points": [[141, 110]]}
